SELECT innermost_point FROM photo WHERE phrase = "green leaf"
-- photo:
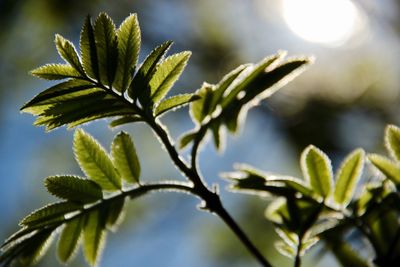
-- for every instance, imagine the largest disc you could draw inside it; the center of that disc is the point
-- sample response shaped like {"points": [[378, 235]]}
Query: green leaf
{"points": [[115, 213], [69, 239], [288, 237], [277, 211], [28, 249], [174, 102], [86, 106], [270, 81], [125, 158], [224, 84], [74, 188], [167, 74], [56, 72], [285, 249], [218, 134], [388, 167], [36, 248], [58, 93], [347, 177], [317, 169], [392, 141], [308, 244], [345, 254], [251, 180], [186, 138], [106, 47], [140, 84], [95, 162], [124, 120], [295, 184], [128, 48], [200, 109], [68, 52], [89, 50], [252, 73], [50, 213], [94, 236]]}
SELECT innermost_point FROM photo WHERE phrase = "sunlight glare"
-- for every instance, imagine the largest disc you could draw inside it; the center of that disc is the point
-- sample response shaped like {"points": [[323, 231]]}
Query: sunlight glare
{"points": [[330, 22]]}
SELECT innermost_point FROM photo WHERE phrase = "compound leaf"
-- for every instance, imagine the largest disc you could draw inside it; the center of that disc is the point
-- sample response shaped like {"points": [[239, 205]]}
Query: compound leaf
{"points": [[95, 162], [347, 177], [70, 236], [128, 48], [74, 188], [317, 169], [125, 158]]}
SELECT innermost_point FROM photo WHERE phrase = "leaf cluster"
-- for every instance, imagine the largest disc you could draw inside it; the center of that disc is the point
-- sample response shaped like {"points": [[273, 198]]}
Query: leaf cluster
{"points": [[89, 206], [224, 105], [321, 206], [105, 79]]}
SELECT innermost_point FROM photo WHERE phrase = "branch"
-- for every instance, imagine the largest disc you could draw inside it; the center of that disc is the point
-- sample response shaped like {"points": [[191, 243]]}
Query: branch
{"points": [[211, 199]]}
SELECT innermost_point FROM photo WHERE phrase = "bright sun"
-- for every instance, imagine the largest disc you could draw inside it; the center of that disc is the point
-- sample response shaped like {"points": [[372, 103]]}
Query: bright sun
{"points": [[331, 22]]}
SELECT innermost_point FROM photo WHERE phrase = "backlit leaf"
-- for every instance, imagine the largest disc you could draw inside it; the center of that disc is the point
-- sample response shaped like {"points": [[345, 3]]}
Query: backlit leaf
{"points": [[392, 141], [56, 72], [115, 213], [285, 249], [347, 177], [36, 248], [200, 109], [89, 50], [218, 136], [68, 52], [251, 74], [106, 48], [95, 162], [60, 92], [49, 213], [174, 102], [308, 244], [140, 84], [185, 139], [270, 81], [73, 188], [125, 119], [94, 236], [167, 73], [317, 169], [125, 158], [69, 239], [388, 167], [128, 49]]}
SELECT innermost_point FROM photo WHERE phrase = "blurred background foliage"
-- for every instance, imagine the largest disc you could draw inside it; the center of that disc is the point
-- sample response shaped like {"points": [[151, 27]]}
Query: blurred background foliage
{"points": [[343, 101]]}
